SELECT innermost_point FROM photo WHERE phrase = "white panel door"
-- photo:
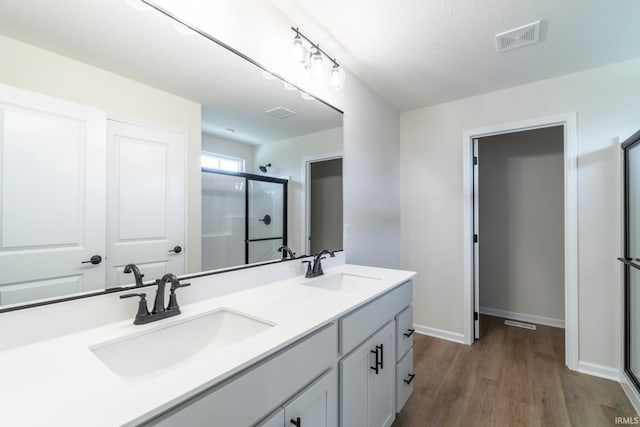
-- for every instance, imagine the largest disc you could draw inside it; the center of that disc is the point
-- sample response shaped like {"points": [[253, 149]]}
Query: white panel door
{"points": [[146, 201], [52, 196]]}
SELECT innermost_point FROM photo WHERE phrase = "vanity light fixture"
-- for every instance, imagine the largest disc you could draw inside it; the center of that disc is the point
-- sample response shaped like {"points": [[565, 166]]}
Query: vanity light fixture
{"points": [[309, 55]]}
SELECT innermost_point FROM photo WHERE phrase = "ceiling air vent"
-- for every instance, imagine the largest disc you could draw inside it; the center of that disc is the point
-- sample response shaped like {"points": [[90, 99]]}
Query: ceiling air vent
{"points": [[518, 37], [280, 112]]}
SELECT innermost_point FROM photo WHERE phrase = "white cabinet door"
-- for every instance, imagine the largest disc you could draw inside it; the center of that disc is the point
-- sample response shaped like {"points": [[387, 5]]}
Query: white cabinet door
{"points": [[367, 382], [381, 391], [354, 383], [146, 201], [317, 406], [52, 196]]}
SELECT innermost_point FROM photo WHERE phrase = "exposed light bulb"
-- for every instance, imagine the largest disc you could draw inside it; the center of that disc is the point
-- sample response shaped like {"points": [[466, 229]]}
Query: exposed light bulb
{"points": [[337, 78], [267, 75], [317, 65], [287, 86], [183, 29], [299, 50], [139, 5]]}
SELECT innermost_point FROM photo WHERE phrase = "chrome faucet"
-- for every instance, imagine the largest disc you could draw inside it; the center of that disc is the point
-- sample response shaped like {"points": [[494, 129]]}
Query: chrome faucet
{"points": [[159, 311], [286, 252], [315, 270], [132, 268]]}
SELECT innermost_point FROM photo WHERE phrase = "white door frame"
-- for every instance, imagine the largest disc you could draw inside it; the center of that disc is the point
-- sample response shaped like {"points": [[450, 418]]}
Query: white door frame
{"points": [[569, 122], [306, 173]]}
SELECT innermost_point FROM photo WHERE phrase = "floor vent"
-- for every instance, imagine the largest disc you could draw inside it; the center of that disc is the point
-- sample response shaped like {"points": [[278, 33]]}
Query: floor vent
{"points": [[518, 37], [280, 112], [520, 324]]}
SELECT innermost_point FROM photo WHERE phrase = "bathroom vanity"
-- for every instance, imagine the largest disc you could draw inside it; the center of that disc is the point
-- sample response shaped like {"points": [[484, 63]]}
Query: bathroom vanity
{"points": [[331, 350]]}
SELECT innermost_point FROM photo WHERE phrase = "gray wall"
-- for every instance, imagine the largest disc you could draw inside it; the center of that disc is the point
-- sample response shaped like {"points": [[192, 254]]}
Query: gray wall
{"points": [[521, 214], [326, 205]]}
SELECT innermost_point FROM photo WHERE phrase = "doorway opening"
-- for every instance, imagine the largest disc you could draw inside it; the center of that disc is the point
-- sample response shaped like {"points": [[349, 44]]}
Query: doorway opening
{"points": [[519, 226], [529, 221], [323, 228]]}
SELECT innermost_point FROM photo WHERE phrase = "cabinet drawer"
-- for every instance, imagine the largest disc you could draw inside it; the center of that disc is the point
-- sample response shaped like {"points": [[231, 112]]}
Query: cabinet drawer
{"points": [[243, 400], [404, 331], [356, 327], [404, 379]]}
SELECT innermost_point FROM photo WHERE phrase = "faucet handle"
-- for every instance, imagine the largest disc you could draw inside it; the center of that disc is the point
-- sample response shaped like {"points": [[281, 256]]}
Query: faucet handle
{"points": [[143, 311], [173, 300], [308, 274]]}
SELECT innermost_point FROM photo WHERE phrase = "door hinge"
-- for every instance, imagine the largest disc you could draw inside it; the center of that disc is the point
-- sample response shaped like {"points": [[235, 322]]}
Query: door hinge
{"points": [[475, 238], [475, 160], [475, 315]]}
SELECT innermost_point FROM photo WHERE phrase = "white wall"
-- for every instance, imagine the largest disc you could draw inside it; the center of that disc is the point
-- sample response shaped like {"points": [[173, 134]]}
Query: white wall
{"points": [[287, 159], [371, 126], [607, 102], [41, 71], [216, 144], [521, 216]]}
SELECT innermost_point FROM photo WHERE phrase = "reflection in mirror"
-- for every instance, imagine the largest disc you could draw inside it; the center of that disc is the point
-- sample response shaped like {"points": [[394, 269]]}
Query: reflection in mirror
{"points": [[105, 112]]}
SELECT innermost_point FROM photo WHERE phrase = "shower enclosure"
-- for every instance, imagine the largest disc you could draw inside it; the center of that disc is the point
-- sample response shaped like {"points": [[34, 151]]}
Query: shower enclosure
{"points": [[244, 218], [631, 258]]}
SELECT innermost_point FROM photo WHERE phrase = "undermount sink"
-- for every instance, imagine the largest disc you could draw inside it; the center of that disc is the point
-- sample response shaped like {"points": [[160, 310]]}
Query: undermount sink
{"points": [[155, 351], [344, 282]]}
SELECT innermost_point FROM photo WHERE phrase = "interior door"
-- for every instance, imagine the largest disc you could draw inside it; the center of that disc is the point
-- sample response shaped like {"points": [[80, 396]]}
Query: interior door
{"points": [[476, 245], [146, 201], [52, 196], [266, 220]]}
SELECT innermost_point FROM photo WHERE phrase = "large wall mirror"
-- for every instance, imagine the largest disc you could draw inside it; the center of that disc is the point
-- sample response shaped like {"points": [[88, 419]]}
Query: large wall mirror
{"points": [[127, 137]]}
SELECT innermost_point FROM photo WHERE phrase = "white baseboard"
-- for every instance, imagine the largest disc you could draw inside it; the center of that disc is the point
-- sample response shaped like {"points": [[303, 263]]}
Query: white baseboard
{"points": [[538, 320], [439, 333], [630, 391], [599, 371]]}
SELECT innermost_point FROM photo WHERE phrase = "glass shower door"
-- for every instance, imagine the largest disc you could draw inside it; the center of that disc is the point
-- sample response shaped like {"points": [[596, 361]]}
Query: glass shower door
{"points": [[631, 257], [266, 225], [223, 220]]}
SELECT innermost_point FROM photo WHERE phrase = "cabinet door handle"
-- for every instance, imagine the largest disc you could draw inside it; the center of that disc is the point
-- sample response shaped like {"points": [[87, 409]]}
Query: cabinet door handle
{"points": [[377, 364], [297, 422], [411, 377], [381, 347], [410, 332]]}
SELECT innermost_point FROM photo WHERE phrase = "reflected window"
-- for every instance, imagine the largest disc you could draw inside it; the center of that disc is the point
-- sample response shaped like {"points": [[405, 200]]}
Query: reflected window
{"points": [[215, 161]]}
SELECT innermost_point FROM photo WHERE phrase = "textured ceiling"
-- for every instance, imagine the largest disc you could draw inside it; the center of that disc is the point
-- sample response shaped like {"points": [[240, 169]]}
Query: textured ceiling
{"points": [[416, 53]]}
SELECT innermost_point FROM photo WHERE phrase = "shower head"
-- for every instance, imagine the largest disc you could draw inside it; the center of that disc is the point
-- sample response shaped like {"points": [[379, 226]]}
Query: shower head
{"points": [[263, 169]]}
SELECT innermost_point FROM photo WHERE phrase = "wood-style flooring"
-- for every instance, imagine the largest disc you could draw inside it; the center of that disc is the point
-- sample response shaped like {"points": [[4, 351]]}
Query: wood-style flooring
{"points": [[510, 377]]}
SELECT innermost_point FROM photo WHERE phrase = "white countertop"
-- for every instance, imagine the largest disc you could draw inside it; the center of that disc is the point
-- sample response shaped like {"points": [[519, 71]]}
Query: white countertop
{"points": [[61, 382]]}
